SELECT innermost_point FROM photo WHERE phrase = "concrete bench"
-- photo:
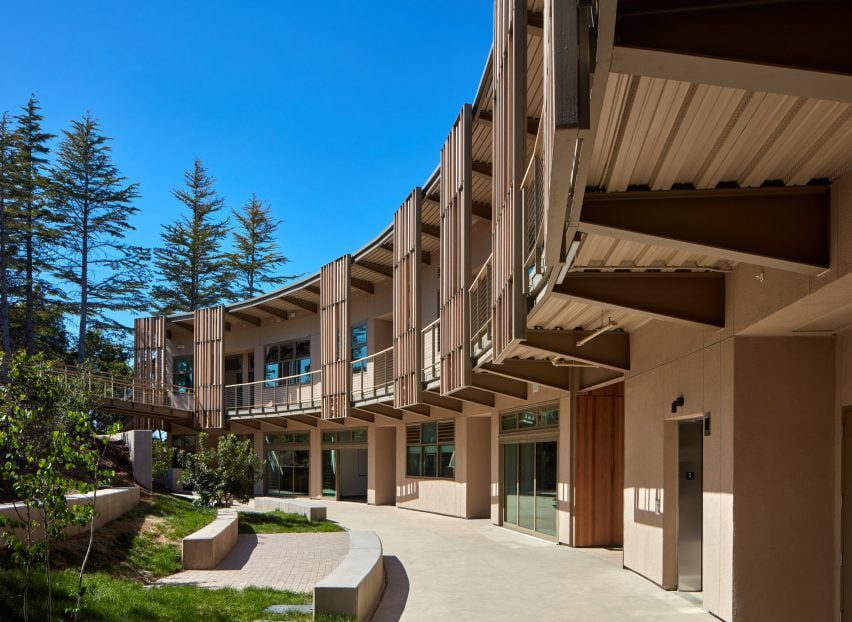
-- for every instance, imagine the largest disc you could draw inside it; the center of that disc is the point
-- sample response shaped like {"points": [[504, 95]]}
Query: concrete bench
{"points": [[354, 588], [204, 549], [311, 510]]}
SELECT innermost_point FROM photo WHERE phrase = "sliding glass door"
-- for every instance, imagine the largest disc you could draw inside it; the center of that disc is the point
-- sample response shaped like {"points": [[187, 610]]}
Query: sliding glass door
{"points": [[287, 472], [529, 486]]}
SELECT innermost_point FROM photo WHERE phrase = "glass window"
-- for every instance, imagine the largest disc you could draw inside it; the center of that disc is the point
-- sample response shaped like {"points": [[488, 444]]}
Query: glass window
{"points": [[182, 373], [447, 461], [291, 359], [344, 437], [541, 416], [359, 346], [429, 432], [527, 419], [359, 435], [509, 422], [412, 462], [430, 450], [430, 461], [328, 437]]}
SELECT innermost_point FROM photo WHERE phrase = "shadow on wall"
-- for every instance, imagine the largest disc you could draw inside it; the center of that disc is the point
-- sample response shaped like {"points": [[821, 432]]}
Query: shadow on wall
{"points": [[648, 506], [395, 595], [408, 491]]}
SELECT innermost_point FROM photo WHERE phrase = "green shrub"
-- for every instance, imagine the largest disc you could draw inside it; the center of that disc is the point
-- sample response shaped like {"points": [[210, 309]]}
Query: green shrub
{"points": [[221, 474]]}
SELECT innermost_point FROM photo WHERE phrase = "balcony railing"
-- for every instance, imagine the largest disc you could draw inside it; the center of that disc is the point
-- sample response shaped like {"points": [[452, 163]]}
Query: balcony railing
{"points": [[480, 311], [532, 191], [299, 392], [372, 376], [131, 390], [432, 352]]}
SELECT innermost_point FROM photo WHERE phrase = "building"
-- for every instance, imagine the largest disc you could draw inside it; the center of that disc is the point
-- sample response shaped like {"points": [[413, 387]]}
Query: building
{"points": [[618, 312]]}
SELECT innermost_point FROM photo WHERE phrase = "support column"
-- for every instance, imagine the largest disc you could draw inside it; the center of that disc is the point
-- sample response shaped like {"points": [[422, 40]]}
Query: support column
{"points": [[381, 465], [315, 487]]}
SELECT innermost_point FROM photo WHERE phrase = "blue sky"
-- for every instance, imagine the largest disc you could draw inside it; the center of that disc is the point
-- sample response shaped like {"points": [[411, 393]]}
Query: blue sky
{"points": [[330, 111]]}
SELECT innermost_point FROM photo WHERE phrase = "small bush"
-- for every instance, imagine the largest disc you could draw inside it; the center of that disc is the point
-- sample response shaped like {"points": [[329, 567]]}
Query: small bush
{"points": [[222, 474]]}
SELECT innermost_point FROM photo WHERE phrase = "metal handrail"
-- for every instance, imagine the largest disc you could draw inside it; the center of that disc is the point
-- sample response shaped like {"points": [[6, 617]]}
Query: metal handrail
{"points": [[372, 375], [102, 386], [293, 392], [480, 309], [432, 351]]}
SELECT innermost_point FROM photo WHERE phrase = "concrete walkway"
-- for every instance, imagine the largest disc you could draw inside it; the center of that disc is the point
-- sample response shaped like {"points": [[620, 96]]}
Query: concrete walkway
{"points": [[292, 561], [442, 568]]}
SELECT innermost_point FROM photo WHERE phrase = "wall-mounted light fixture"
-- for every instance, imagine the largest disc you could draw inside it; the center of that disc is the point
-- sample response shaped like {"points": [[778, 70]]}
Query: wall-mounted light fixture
{"points": [[677, 404]]}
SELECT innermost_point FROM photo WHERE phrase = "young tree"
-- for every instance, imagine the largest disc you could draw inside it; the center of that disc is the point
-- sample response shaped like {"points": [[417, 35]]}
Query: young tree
{"points": [[35, 222], [255, 257], [7, 249], [192, 268], [222, 474], [45, 429], [94, 204]]}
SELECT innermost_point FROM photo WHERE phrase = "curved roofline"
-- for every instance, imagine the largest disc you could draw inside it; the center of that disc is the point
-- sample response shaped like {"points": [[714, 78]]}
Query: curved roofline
{"points": [[314, 278]]}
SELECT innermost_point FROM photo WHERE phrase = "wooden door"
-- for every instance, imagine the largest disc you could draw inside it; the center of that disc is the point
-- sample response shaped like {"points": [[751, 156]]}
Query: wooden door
{"points": [[599, 467]]}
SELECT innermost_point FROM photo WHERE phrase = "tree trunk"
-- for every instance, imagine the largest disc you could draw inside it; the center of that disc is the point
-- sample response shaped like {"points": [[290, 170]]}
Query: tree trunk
{"points": [[84, 289], [5, 335], [29, 293]]}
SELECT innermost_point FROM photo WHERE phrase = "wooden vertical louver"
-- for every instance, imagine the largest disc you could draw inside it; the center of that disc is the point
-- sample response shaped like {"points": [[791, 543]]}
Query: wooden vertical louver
{"points": [[509, 139], [407, 339], [209, 367], [565, 119], [455, 255], [336, 353], [149, 363]]}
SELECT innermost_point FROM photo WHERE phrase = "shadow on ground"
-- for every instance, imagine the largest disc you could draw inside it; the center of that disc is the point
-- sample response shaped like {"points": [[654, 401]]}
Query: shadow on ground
{"points": [[396, 591]]}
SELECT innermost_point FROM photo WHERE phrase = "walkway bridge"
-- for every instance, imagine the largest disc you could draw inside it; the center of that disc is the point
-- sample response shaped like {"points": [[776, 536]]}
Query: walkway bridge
{"points": [[133, 396]]}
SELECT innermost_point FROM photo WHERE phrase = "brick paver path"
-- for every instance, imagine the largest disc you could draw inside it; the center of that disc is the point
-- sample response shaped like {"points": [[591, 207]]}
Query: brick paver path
{"points": [[286, 561]]}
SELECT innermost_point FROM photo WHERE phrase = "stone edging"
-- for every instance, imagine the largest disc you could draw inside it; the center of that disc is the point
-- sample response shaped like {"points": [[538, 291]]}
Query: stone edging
{"points": [[204, 549], [354, 588]]}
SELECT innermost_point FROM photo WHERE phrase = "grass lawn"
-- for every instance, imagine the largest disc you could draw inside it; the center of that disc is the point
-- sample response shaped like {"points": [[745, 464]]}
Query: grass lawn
{"points": [[144, 543], [279, 522], [113, 598]]}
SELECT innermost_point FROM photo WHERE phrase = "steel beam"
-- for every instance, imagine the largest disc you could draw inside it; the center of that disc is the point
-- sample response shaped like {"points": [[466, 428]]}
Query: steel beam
{"points": [[685, 297], [245, 317], [592, 378], [433, 398], [611, 350], [749, 39], [304, 304], [783, 228], [510, 385], [540, 372]]}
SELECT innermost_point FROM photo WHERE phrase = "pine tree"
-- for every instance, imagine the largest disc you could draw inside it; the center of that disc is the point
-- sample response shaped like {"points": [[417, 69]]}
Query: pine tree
{"points": [[192, 267], [35, 229], [255, 257], [7, 249], [94, 204]]}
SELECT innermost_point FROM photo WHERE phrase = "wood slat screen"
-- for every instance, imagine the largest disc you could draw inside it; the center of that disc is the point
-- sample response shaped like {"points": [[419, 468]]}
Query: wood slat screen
{"points": [[455, 255], [600, 467], [407, 325], [565, 114], [336, 354], [149, 361], [209, 367], [509, 138]]}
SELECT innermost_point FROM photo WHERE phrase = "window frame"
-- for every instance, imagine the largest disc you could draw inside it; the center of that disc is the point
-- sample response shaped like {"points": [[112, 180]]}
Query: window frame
{"points": [[441, 444], [288, 361]]}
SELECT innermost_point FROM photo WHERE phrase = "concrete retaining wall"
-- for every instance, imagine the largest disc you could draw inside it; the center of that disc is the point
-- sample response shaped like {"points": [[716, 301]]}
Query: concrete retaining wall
{"points": [[110, 503], [204, 549], [354, 588], [309, 509]]}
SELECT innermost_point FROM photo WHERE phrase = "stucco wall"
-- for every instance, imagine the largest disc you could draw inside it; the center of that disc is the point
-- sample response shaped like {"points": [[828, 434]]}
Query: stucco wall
{"points": [[670, 360], [784, 479]]}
